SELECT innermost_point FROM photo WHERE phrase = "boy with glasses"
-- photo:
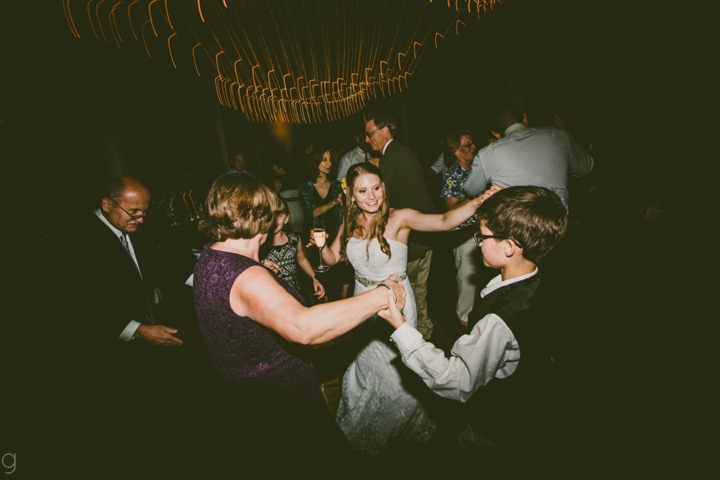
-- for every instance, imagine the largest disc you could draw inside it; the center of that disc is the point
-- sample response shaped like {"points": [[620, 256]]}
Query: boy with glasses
{"points": [[500, 370]]}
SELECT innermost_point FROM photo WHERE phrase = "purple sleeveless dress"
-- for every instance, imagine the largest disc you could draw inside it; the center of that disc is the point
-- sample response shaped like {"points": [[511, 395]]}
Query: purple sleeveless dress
{"points": [[254, 366]]}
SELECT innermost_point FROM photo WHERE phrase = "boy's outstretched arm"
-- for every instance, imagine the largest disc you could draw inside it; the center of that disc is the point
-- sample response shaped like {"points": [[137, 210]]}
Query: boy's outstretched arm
{"points": [[489, 350]]}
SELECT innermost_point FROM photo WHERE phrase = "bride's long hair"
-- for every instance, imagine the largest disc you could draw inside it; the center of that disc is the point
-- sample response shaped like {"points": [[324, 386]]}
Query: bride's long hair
{"points": [[351, 212]]}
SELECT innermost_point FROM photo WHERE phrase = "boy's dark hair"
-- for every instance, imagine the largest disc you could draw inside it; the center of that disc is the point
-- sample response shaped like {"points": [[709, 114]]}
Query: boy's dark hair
{"points": [[534, 216]]}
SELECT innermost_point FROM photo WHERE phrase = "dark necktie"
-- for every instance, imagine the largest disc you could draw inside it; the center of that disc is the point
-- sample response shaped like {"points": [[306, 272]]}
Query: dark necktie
{"points": [[123, 240]]}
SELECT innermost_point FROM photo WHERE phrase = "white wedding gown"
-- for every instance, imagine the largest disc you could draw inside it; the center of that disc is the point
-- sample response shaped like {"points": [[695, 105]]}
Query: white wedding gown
{"points": [[375, 406]]}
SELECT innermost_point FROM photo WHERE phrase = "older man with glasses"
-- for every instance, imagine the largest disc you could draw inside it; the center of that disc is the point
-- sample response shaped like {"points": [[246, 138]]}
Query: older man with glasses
{"points": [[121, 378], [122, 210]]}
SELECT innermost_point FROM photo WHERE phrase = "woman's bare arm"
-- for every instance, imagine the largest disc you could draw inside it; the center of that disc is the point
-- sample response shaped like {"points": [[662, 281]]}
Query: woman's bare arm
{"points": [[305, 264], [303, 261], [257, 295], [462, 211]]}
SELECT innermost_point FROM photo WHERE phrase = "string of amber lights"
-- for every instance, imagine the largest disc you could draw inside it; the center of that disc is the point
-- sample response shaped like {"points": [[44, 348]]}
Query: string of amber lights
{"points": [[299, 61]]}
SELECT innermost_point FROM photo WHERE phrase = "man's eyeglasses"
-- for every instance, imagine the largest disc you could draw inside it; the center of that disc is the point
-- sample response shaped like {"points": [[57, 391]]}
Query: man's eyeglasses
{"points": [[132, 216], [370, 134], [479, 237]]}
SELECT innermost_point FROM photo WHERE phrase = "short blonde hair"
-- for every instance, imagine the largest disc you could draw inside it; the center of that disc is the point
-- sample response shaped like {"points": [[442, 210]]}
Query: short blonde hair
{"points": [[238, 206]]}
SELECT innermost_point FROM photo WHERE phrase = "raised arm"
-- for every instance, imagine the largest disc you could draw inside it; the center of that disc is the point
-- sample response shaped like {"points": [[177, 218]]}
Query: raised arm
{"points": [[452, 218], [331, 253], [257, 295]]}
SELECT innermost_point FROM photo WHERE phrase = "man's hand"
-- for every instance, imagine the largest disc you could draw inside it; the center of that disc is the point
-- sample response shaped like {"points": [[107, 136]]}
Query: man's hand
{"points": [[397, 289], [159, 335]]}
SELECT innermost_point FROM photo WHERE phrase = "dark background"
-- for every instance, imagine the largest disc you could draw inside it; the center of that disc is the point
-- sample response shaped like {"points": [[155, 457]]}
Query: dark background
{"points": [[622, 74], [636, 80]]}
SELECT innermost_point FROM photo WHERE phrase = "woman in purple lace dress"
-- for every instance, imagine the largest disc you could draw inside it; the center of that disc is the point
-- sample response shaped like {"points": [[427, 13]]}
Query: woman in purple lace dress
{"points": [[258, 331]]}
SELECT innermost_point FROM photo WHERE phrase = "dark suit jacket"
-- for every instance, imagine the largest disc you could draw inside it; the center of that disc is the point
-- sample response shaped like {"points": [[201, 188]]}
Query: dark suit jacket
{"points": [[110, 382], [404, 178], [104, 287], [405, 182]]}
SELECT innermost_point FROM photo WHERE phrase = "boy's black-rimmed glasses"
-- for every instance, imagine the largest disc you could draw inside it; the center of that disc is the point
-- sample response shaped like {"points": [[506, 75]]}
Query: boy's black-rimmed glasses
{"points": [[479, 237]]}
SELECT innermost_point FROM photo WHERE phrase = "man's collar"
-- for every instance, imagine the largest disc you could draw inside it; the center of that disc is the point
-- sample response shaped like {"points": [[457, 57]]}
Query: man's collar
{"points": [[514, 128], [498, 282], [386, 145], [118, 233]]}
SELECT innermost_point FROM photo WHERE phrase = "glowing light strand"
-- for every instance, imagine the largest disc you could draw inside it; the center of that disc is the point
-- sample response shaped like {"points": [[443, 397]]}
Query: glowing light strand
{"points": [[292, 60]]}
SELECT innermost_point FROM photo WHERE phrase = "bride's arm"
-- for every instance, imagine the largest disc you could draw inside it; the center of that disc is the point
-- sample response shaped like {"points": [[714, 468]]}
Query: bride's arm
{"points": [[421, 222], [331, 253]]}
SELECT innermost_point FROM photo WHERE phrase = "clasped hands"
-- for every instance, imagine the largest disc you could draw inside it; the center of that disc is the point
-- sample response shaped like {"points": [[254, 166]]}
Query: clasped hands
{"points": [[395, 290], [393, 314]]}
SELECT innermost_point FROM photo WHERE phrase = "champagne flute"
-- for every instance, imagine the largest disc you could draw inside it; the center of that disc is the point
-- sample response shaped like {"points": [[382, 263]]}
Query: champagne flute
{"points": [[318, 233]]}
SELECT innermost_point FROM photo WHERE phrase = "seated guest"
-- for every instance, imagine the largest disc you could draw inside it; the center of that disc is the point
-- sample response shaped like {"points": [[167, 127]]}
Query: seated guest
{"points": [[257, 330], [500, 369]]}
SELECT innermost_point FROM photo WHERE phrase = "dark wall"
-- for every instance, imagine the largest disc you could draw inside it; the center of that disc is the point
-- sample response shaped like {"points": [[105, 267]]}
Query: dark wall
{"points": [[622, 77]]}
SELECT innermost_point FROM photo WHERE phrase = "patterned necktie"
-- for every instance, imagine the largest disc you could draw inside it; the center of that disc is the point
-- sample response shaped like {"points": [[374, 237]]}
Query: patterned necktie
{"points": [[123, 240]]}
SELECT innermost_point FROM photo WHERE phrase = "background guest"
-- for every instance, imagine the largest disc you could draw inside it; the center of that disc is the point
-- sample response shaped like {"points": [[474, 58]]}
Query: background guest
{"points": [[284, 182], [322, 198]]}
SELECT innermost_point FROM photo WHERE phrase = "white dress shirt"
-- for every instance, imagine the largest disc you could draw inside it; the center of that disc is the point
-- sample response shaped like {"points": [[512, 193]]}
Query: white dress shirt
{"points": [[489, 350], [353, 157], [129, 331], [386, 145], [439, 165], [541, 156]]}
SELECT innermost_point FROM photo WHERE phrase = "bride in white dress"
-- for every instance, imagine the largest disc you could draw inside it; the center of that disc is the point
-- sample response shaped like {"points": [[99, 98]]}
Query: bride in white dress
{"points": [[375, 405]]}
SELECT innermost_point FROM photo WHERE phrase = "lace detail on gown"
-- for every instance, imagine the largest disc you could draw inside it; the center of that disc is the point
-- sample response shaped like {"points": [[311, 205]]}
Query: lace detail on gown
{"points": [[376, 404]]}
